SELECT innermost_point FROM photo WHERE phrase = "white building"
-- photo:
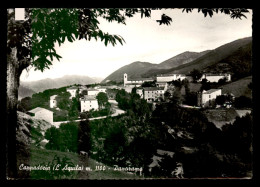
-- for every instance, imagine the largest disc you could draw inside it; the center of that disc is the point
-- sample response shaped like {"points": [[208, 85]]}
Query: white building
{"points": [[206, 98], [72, 91], [153, 93], [88, 102], [139, 91], [101, 89], [53, 102], [92, 91], [215, 77], [162, 79], [81, 88], [42, 113], [135, 82]]}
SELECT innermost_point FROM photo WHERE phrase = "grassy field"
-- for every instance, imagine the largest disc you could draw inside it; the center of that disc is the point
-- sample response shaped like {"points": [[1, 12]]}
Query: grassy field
{"points": [[239, 88], [45, 157]]}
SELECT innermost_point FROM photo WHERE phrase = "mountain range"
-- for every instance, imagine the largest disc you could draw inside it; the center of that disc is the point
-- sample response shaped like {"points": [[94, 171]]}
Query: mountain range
{"points": [[28, 88], [227, 54]]}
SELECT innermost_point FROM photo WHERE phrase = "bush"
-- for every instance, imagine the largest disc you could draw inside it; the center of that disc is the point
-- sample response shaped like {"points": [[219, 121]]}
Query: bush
{"points": [[243, 102]]}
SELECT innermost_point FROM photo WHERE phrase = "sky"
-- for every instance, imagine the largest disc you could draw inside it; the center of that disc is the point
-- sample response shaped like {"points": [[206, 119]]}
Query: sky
{"points": [[146, 41]]}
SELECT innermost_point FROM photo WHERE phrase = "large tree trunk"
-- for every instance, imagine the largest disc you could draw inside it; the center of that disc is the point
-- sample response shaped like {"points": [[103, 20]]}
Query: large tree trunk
{"points": [[13, 76]]}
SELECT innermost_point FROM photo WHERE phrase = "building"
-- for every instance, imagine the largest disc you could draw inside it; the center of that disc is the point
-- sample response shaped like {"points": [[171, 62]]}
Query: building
{"points": [[88, 102], [53, 102], [92, 91], [162, 79], [139, 91], [82, 88], [42, 113], [101, 89], [153, 93], [207, 98], [135, 82], [72, 90], [215, 77]]}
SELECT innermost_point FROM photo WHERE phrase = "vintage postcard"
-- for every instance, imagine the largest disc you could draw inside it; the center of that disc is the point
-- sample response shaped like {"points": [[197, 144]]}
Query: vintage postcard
{"points": [[129, 93]]}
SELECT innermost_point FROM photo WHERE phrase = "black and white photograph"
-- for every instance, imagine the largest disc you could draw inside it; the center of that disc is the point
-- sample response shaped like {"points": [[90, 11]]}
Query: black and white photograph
{"points": [[129, 93]]}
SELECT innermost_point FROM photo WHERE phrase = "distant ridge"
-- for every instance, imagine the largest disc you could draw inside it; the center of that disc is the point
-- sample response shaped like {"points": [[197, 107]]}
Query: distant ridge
{"points": [[187, 61], [141, 69], [44, 84]]}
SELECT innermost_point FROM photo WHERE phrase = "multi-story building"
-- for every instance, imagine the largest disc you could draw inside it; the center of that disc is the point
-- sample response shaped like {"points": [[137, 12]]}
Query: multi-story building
{"points": [[207, 98], [162, 79], [72, 90], [135, 82], [42, 113], [215, 77], [88, 102], [53, 102], [153, 93]]}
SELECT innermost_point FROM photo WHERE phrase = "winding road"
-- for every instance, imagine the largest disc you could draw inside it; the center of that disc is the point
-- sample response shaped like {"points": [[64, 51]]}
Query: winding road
{"points": [[114, 105]]}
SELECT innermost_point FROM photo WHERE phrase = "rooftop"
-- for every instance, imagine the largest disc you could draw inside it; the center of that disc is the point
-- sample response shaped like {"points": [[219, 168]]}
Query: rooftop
{"points": [[35, 110], [216, 74], [152, 88], [92, 89], [169, 75], [140, 79], [210, 91], [53, 97], [89, 98]]}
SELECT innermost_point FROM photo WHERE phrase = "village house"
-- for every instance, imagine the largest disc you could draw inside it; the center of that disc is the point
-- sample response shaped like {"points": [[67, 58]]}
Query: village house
{"points": [[82, 88], [72, 90], [101, 89], [92, 91], [215, 77], [139, 91], [135, 82], [153, 93], [88, 102], [207, 98], [162, 79], [42, 113], [53, 102]]}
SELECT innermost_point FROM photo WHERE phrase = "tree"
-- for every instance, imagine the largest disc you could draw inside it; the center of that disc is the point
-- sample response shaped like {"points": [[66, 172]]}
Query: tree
{"points": [[31, 43], [102, 99], [63, 100], [205, 85], [195, 74], [149, 84]]}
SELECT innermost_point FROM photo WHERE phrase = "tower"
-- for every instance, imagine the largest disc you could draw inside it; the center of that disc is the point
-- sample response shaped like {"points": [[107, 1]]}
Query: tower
{"points": [[125, 79]]}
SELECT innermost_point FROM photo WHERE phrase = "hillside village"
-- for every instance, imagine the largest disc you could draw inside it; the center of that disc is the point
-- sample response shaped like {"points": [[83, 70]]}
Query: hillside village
{"points": [[152, 94], [172, 124]]}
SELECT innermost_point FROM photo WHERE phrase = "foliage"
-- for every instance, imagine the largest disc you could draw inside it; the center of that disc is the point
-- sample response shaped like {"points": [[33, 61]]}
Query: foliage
{"points": [[149, 84], [243, 102], [60, 115], [65, 138], [63, 101], [191, 98], [102, 99], [205, 85], [25, 104], [196, 75], [84, 135], [222, 99]]}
